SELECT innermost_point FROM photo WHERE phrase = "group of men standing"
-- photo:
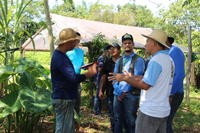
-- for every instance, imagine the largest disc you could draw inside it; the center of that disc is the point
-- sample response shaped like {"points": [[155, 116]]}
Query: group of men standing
{"points": [[122, 78]]}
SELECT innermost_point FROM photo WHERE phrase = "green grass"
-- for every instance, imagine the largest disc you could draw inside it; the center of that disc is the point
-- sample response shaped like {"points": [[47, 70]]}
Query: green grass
{"points": [[187, 118]]}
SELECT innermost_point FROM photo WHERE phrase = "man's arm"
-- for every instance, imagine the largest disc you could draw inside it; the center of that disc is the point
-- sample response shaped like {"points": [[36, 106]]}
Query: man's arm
{"points": [[103, 79], [149, 79], [115, 84], [136, 82]]}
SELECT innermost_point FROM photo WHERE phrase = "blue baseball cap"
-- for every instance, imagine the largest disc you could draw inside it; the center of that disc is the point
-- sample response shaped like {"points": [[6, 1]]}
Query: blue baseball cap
{"points": [[115, 45]]}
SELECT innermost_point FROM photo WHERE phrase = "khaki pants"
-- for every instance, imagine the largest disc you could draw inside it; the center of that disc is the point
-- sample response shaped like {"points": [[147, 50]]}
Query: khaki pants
{"points": [[148, 124]]}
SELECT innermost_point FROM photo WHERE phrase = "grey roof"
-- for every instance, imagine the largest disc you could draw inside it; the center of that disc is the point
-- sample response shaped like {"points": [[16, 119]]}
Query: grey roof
{"points": [[88, 29]]}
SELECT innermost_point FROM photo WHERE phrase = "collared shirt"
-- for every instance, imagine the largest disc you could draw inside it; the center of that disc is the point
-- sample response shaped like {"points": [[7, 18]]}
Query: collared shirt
{"points": [[97, 77], [108, 67], [159, 75], [138, 70], [77, 58], [64, 79]]}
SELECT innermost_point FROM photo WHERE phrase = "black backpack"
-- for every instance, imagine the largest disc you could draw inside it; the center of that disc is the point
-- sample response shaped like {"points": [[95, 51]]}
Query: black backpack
{"points": [[136, 91]]}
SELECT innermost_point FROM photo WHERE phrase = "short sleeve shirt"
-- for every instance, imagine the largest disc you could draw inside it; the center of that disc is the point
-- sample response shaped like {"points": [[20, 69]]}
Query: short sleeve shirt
{"points": [[108, 67]]}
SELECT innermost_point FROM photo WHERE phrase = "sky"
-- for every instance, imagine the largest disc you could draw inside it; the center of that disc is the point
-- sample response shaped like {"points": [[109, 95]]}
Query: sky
{"points": [[151, 4]]}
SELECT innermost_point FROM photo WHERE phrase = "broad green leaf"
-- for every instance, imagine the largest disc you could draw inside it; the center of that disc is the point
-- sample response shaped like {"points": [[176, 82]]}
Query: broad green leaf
{"points": [[35, 101], [29, 62], [11, 103], [6, 69], [20, 69], [27, 81], [5, 72]]}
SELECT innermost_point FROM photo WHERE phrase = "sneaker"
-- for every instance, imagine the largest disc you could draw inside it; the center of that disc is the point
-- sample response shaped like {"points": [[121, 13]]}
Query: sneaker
{"points": [[99, 116], [104, 115]]}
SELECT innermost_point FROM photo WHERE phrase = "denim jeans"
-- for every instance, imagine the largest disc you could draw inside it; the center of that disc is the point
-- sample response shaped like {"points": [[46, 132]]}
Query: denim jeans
{"points": [[111, 111], [64, 110], [97, 101], [129, 107], [176, 102]]}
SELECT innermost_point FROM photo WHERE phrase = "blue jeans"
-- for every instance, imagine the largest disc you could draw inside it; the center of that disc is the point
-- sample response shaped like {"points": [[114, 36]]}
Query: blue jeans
{"points": [[129, 107], [97, 101], [64, 110], [111, 111], [176, 102]]}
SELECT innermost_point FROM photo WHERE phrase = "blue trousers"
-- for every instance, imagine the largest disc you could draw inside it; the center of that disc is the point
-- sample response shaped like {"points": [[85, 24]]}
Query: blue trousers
{"points": [[97, 101], [176, 102], [111, 111], [125, 109], [64, 110]]}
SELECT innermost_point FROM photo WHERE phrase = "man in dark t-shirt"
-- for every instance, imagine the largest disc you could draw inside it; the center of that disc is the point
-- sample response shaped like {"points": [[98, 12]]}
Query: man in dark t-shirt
{"points": [[108, 67]]}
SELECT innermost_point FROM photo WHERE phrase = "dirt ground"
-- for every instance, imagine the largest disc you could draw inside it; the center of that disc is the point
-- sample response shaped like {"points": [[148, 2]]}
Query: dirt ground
{"points": [[90, 124]]}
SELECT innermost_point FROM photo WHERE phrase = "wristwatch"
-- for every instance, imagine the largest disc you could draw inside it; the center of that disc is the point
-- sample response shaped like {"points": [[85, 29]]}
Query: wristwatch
{"points": [[170, 96]]}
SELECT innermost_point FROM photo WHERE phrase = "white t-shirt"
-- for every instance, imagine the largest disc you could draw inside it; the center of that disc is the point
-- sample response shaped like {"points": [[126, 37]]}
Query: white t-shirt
{"points": [[159, 74]]}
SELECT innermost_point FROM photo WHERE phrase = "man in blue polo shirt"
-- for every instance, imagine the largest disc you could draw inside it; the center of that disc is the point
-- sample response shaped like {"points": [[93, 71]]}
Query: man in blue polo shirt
{"points": [[177, 92], [125, 104], [65, 81]]}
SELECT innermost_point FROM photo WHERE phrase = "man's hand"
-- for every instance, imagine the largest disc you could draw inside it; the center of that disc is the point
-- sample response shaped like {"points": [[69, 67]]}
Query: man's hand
{"points": [[119, 99], [124, 94], [116, 76], [127, 73], [101, 96], [92, 69], [170, 101]]}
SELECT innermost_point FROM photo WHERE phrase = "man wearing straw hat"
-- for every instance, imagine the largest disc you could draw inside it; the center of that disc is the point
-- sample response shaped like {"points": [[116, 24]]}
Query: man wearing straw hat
{"points": [[65, 81], [155, 84]]}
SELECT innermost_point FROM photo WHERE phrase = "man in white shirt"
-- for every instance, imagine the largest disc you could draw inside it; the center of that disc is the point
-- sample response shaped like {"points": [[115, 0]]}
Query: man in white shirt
{"points": [[155, 84]]}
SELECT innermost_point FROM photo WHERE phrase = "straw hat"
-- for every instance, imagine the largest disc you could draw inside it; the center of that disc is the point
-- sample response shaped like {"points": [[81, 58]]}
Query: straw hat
{"points": [[67, 35], [158, 35]]}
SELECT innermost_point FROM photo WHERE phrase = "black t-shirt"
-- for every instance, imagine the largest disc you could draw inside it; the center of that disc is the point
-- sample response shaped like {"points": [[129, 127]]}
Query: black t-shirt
{"points": [[108, 67]]}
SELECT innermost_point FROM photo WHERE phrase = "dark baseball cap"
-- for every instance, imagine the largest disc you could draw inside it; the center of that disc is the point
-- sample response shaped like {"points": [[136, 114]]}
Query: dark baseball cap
{"points": [[114, 45], [106, 47], [171, 40], [127, 36]]}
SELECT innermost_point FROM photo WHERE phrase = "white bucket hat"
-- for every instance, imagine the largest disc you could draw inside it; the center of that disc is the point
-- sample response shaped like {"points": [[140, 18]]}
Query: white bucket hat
{"points": [[66, 35], [158, 35]]}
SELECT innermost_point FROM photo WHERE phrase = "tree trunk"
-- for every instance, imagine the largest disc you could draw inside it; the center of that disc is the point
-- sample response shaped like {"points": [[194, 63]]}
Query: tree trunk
{"points": [[48, 21], [189, 65], [91, 90], [91, 99]]}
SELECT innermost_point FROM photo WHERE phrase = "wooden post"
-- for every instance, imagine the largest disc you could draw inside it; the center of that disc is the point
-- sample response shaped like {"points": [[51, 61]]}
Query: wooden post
{"points": [[193, 74], [189, 64], [49, 28]]}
